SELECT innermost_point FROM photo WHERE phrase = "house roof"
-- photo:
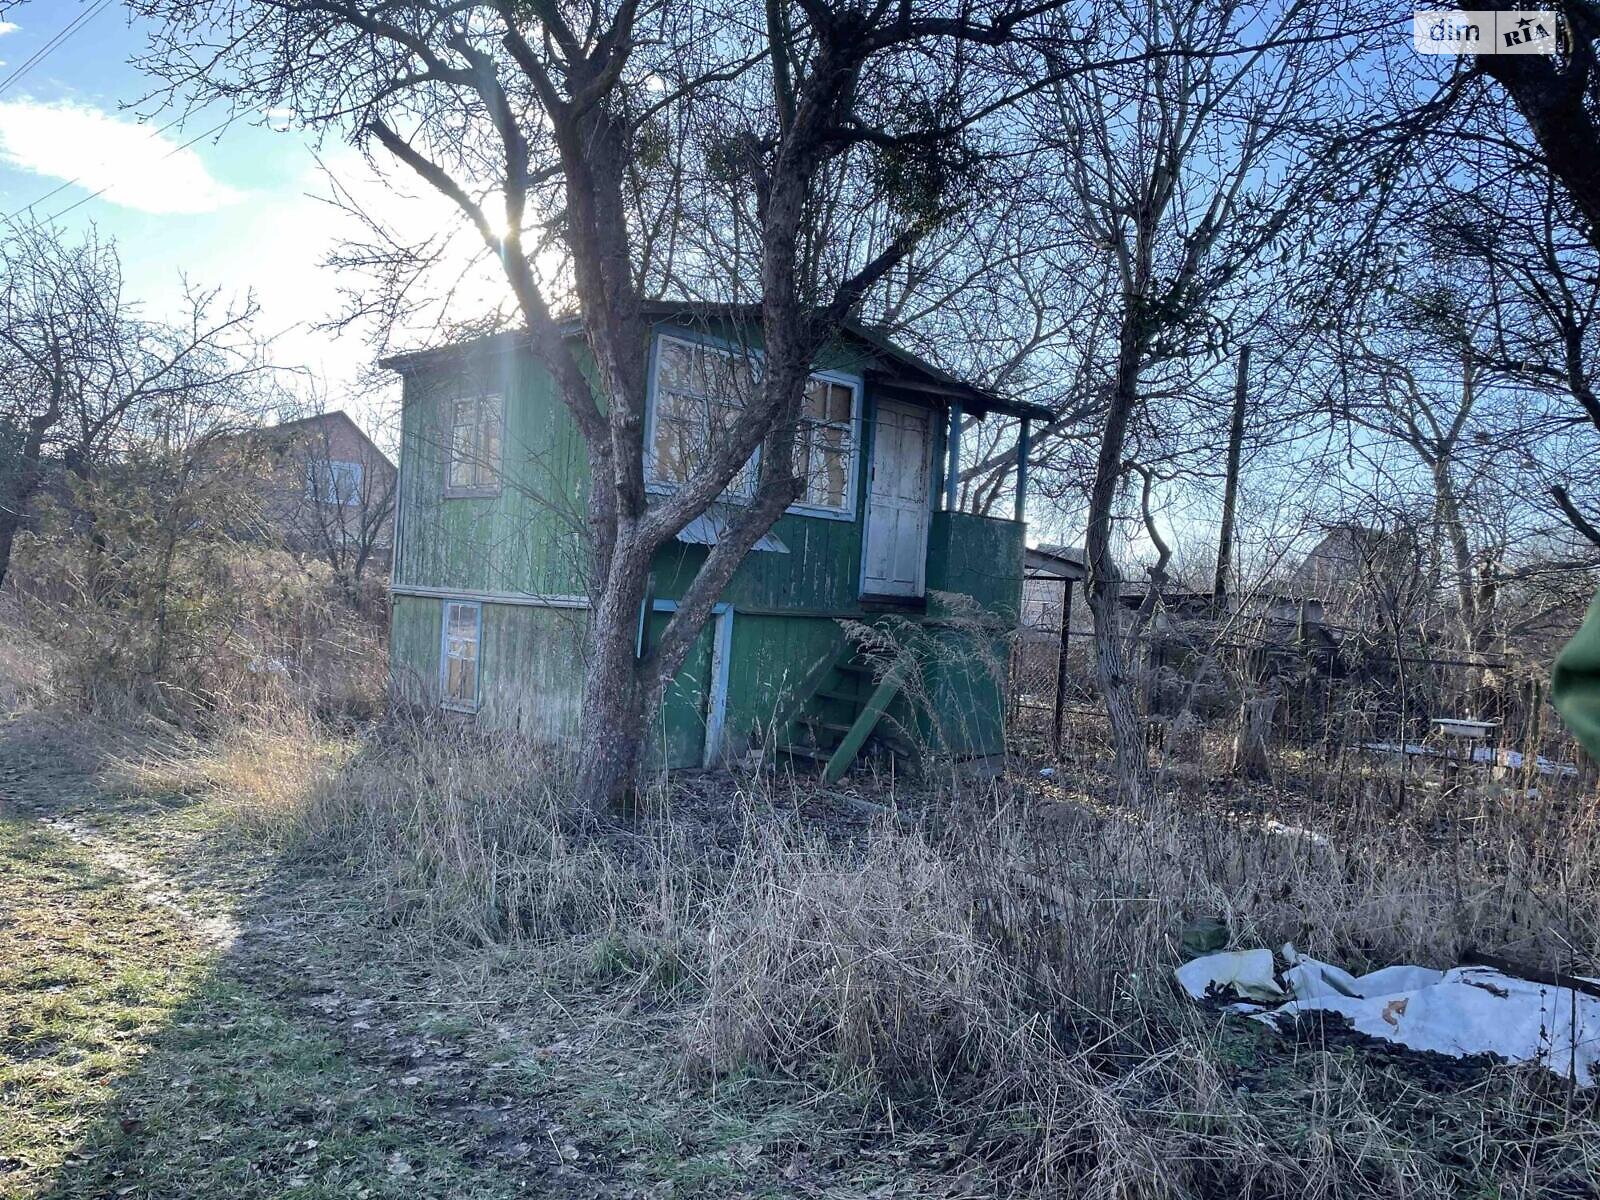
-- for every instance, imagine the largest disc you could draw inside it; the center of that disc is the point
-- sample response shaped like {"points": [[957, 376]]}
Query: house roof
{"points": [[337, 415], [900, 368]]}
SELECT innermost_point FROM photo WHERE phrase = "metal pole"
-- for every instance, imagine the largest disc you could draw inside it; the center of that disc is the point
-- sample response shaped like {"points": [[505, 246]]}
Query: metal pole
{"points": [[1061, 660], [952, 475]]}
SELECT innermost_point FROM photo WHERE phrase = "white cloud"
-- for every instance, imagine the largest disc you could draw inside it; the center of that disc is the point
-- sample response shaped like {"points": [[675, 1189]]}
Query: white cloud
{"points": [[7, 27], [137, 168]]}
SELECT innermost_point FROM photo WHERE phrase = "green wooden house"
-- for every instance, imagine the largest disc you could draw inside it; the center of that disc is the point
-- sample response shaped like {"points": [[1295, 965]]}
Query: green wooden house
{"points": [[489, 600]]}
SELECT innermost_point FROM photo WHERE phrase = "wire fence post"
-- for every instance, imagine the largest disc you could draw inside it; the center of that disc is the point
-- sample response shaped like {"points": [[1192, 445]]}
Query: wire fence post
{"points": [[1061, 665]]}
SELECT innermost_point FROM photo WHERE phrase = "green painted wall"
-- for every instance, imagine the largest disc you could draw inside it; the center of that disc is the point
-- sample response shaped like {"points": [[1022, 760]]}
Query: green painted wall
{"points": [[679, 736], [528, 539], [414, 648], [979, 557], [526, 680]]}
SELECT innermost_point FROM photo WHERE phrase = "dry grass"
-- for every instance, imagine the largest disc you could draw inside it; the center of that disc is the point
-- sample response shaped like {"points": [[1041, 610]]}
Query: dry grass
{"points": [[30, 668], [1005, 977], [997, 976]]}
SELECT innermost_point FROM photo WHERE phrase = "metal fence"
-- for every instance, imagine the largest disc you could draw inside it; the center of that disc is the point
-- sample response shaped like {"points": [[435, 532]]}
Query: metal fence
{"points": [[1336, 690]]}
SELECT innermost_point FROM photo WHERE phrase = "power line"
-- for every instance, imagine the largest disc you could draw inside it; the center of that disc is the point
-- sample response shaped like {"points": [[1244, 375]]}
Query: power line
{"points": [[217, 128], [54, 43], [61, 187]]}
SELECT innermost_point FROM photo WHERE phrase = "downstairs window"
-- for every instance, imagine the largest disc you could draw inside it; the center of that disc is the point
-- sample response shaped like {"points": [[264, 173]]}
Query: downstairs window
{"points": [[458, 655]]}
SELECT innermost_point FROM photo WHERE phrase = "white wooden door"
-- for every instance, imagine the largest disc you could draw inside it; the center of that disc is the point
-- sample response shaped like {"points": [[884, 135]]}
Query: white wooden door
{"points": [[898, 499]]}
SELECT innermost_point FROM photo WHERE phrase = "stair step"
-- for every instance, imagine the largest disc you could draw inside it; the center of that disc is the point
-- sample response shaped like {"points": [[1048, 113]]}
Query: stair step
{"points": [[848, 697], [818, 754], [819, 723], [853, 668]]}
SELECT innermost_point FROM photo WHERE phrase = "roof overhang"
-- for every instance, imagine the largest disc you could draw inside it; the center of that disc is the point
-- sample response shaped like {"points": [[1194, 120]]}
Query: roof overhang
{"points": [[1055, 562], [898, 368]]}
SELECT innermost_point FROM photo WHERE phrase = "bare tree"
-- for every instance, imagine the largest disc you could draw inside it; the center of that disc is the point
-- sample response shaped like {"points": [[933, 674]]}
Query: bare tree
{"points": [[574, 127], [82, 370], [1558, 95], [1189, 173]]}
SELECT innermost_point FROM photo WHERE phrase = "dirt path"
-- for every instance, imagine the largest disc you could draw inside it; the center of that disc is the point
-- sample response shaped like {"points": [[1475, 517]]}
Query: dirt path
{"points": [[259, 1027], [218, 930], [249, 1036]]}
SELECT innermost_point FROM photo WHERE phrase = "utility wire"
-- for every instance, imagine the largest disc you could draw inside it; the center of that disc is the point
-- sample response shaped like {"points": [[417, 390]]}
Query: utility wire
{"points": [[217, 128], [54, 43], [61, 187]]}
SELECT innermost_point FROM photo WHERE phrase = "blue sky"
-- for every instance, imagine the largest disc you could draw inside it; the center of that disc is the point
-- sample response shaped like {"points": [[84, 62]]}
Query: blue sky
{"points": [[240, 209]]}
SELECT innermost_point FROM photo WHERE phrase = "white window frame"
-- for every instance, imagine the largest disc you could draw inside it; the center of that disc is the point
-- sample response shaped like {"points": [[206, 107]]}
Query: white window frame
{"points": [[448, 428], [321, 482], [800, 508], [446, 700]]}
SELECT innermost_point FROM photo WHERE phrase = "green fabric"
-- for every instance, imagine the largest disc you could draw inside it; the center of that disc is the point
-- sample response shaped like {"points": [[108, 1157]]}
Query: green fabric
{"points": [[1575, 682]]}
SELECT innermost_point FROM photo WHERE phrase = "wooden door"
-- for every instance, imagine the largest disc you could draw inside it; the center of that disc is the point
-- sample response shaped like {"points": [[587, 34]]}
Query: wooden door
{"points": [[679, 736], [895, 559]]}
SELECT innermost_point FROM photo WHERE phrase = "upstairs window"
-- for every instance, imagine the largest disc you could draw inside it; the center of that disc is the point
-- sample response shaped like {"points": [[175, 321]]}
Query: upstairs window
{"points": [[334, 483], [827, 443], [697, 395], [458, 655], [474, 446]]}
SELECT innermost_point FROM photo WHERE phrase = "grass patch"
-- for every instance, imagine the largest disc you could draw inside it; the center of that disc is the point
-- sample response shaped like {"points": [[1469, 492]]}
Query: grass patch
{"points": [[140, 1062], [454, 985], [89, 976]]}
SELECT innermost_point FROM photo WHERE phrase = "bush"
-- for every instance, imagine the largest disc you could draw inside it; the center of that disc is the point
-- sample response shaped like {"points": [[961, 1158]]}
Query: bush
{"points": [[173, 600]]}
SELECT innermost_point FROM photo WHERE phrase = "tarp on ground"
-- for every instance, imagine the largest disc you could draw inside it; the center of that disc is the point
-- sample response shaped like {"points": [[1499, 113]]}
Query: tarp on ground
{"points": [[1463, 1011]]}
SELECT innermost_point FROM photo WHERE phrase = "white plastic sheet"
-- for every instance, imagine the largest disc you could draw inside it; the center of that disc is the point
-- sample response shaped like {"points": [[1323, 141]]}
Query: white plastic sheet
{"points": [[1466, 1010], [1247, 974]]}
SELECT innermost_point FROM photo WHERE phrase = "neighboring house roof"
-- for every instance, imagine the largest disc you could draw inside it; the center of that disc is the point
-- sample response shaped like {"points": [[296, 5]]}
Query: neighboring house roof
{"points": [[912, 372], [1055, 562], [338, 416], [1343, 554]]}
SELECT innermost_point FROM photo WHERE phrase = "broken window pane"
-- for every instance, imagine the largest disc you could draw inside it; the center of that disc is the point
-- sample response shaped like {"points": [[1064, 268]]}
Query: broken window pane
{"points": [[700, 392], [827, 443], [461, 630]]}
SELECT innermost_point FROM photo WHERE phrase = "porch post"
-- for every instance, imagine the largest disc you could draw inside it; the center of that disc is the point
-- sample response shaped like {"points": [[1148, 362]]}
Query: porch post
{"points": [[1022, 468], [952, 470]]}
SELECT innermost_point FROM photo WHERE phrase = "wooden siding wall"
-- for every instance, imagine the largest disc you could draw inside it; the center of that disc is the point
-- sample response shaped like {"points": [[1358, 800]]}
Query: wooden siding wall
{"points": [[526, 682], [528, 540], [980, 557]]}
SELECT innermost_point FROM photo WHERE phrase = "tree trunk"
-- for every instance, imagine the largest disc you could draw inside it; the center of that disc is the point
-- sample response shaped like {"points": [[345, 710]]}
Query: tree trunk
{"points": [[1250, 759], [1103, 583], [611, 729], [27, 474], [1230, 486], [612, 719], [9, 523], [1553, 96]]}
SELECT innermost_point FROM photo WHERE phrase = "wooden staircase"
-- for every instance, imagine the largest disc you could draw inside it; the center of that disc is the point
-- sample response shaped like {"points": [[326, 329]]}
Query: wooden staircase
{"points": [[833, 720]]}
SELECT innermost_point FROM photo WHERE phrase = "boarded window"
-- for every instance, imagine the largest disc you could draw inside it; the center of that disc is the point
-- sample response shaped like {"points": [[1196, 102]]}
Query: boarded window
{"points": [[475, 438], [827, 443], [458, 667], [700, 392]]}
